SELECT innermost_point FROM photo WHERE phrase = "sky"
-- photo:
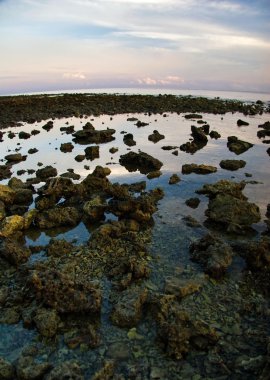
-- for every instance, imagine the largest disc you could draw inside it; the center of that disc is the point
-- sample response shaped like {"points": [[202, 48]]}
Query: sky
{"points": [[51, 45]]}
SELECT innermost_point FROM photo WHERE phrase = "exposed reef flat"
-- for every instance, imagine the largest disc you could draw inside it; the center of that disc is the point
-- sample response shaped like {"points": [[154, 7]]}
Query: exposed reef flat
{"points": [[32, 108], [126, 268]]}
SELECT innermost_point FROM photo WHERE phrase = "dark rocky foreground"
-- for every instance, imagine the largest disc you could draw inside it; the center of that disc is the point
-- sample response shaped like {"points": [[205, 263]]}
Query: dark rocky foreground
{"points": [[14, 109], [108, 309]]}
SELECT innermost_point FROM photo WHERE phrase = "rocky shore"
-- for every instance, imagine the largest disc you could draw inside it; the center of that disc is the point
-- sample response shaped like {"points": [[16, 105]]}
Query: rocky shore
{"points": [[32, 108], [149, 295]]}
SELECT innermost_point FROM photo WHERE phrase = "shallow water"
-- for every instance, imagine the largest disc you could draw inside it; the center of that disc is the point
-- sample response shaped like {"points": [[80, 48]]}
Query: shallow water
{"points": [[177, 131], [170, 236]]}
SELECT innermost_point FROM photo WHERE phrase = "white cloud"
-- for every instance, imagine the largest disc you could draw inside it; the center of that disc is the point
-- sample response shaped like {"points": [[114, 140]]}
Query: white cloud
{"points": [[74, 76], [168, 80]]}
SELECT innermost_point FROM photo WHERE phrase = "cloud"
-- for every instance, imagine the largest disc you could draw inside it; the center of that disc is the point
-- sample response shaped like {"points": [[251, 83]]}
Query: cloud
{"points": [[168, 80], [74, 76], [149, 42]]}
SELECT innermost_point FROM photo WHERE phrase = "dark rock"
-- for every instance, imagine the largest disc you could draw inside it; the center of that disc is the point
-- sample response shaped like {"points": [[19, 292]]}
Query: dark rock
{"points": [[23, 197], [198, 169], [92, 136], [234, 213], [229, 207], [128, 310], [224, 187], [58, 216], [193, 116], [65, 292], [139, 209], [137, 187], [2, 210], [257, 254], [59, 247], [132, 119], [35, 132], [66, 147], [89, 126], [155, 137], [7, 194], [16, 157], [71, 175], [268, 151], [24, 135], [128, 139], [174, 179], [48, 126], [97, 181], [113, 150], [69, 130], [14, 252], [179, 332], [198, 134], [192, 202], [92, 152], [140, 161], [32, 150], [214, 135], [265, 130], [56, 188], [66, 371], [263, 133], [11, 135], [95, 208], [6, 370], [154, 174], [182, 287], [141, 124], [213, 254], [240, 123], [46, 173], [5, 172], [238, 146], [29, 369], [21, 172], [192, 146], [47, 321], [265, 126], [80, 157], [232, 164], [107, 371], [169, 147]]}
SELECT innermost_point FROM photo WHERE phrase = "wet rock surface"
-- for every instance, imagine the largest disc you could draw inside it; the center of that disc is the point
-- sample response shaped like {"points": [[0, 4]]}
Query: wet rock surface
{"points": [[156, 137], [89, 135], [129, 140], [238, 146], [198, 169], [140, 161], [213, 254], [121, 305], [229, 207], [232, 164], [264, 130], [46, 172]]}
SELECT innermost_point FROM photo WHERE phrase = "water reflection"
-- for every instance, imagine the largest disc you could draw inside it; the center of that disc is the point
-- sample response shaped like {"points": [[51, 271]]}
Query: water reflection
{"points": [[175, 128]]}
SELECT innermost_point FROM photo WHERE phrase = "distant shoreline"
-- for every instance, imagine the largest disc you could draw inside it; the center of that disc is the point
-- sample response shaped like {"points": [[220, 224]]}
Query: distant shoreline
{"points": [[32, 108], [223, 94]]}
